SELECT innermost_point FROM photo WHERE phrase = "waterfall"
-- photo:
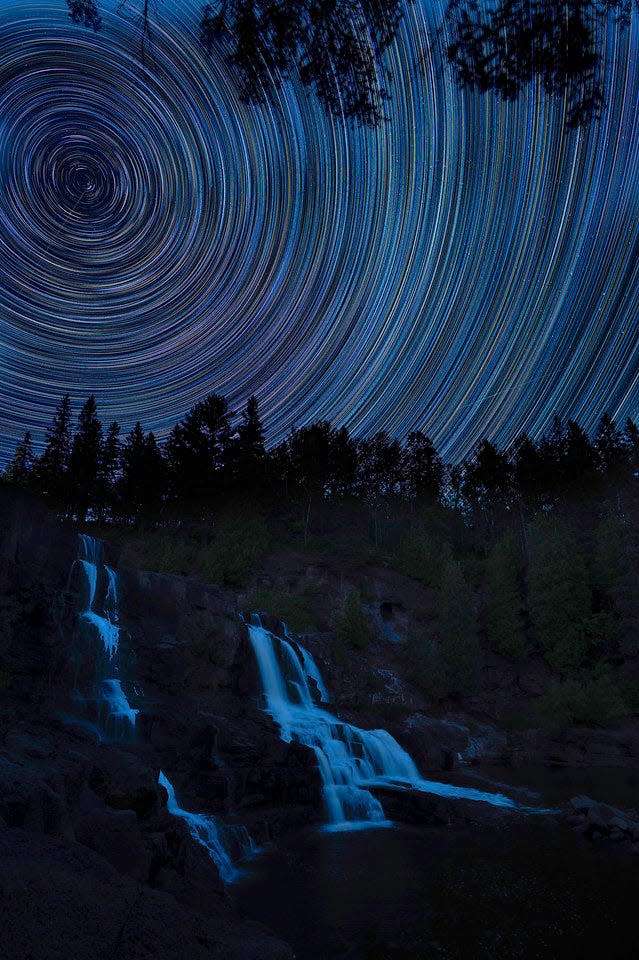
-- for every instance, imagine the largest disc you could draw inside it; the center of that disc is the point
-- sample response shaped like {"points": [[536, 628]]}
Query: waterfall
{"points": [[203, 829], [102, 612], [350, 760]]}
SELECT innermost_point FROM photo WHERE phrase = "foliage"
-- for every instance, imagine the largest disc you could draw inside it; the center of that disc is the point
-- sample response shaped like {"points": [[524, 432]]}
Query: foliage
{"points": [[457, 625], [559, 595], [21, 468], [590, 698], [421, 556], [334, 48], [351, 626], [503, 47], [85, 12], [295, 610], [504, 620], [168, 552], [337, 48], [239, 542], [425, 662]]}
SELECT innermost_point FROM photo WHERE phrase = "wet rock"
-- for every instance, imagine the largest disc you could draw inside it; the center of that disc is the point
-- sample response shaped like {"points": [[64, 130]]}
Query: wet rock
{"points": [[434, 744]]}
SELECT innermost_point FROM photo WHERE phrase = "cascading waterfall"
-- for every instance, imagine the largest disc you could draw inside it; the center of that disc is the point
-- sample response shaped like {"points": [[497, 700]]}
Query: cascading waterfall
{"points": [[204, 829], [103, 613], [120, 714], [350, 760]]}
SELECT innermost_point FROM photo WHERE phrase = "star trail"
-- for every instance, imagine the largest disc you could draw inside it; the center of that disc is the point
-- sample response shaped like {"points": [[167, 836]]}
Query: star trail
{"points": [[470, 268]]}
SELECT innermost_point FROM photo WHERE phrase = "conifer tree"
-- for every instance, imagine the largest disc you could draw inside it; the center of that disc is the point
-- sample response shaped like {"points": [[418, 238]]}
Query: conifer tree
{"points": [[459, 643], [85, 459], [609, 449], [52, 467], [422, 469], [559, 595], [110, 462], [199, 452], [142, 481], [504, 619], [21, 468], [249, 451]]}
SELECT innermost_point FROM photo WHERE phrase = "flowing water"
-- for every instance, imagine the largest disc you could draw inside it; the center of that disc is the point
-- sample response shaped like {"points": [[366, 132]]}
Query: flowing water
{"points": [[205, 830], [351, 761], [117, 716], [102, 612]]}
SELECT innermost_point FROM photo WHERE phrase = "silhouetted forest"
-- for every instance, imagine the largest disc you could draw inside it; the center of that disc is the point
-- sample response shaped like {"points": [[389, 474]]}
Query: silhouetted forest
{"points": [[89, 472], [530, 550]]}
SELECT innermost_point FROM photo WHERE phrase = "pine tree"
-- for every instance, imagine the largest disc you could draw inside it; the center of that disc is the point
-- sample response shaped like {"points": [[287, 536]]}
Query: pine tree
{"points": [[200, 451], [459, 643], [422, 469], [20, 470], [109, 471], [559, 595], [249, 453], [504, 619], [52, 467], [609, 449], [85, 459], [142, 482]]}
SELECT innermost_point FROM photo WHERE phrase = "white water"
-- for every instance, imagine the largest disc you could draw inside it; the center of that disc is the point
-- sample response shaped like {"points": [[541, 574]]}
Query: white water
{"points": [[119, 707], [105, 621], [203, 829], [350, 759], [104, 616]]}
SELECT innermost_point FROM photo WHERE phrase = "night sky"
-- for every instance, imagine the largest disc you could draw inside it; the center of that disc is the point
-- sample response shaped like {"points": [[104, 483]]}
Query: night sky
{"points": [[469, 269]]}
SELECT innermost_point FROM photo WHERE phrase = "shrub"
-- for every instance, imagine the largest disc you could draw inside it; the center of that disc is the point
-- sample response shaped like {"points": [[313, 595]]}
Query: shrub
{"points": [[351, 624], [559, 595], [460, 652], [238, 544], [504, 620], [168, 552], [590, 699], [424, 659], [421, 558], [295, 610]]}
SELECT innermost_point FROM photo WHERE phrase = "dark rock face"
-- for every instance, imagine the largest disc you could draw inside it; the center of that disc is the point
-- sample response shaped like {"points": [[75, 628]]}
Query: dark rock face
{"points": [[36, 555], [576, 747], [434, 744], [600, 821], [92, 861]]}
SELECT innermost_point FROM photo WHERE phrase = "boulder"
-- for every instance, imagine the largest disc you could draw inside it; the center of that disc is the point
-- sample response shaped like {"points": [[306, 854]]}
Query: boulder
{"points": [[433, 743]]}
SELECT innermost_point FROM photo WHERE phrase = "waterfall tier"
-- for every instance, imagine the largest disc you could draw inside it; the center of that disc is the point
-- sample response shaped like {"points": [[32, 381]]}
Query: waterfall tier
{"points": [[351, 760], [204, 829], [102, 612]]}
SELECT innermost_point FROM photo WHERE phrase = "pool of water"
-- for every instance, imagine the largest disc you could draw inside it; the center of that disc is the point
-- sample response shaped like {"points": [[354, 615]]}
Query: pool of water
{"points": [[556, 785], [512, 891]]}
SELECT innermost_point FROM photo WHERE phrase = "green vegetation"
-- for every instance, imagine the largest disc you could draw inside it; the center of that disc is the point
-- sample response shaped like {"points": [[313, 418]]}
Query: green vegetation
{"points": [[589, 699], [294, 609], [421, 557], [459, 643], [422, 654], [504, 619], [351, 625], [237, 546], [167, 551], [559, 594]]}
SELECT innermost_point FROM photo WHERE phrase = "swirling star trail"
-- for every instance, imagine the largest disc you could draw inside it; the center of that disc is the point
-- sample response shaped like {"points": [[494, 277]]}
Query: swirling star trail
{"points": [[471, 268]]}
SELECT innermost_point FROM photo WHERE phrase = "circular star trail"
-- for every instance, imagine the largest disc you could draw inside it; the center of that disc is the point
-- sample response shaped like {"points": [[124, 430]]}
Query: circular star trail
{"points": [[470, 268]]}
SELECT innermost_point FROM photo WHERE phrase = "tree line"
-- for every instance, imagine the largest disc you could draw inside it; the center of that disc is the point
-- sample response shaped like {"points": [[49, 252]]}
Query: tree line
{"points": [[89, 472]]}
